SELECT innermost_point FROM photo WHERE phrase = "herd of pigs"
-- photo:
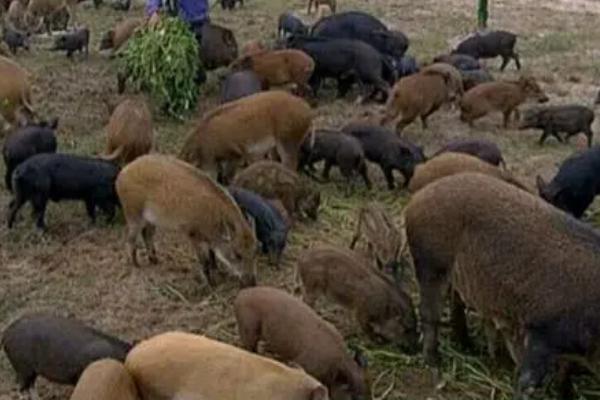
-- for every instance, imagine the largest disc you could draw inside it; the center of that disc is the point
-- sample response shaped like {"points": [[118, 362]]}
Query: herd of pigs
{"points": [[245, 176]]}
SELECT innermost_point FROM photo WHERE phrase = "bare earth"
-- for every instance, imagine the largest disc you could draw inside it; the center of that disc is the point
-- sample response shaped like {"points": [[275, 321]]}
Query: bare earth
{"points": [[82, 271]]}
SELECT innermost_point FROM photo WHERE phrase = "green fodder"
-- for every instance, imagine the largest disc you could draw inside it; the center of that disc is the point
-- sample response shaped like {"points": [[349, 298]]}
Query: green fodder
{"points": [[163, 61]]}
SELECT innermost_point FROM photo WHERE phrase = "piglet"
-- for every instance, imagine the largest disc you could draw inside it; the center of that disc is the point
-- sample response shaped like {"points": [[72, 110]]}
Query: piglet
{"points": [[15, 39], [57, 348], [72, 42], [570, 119]]}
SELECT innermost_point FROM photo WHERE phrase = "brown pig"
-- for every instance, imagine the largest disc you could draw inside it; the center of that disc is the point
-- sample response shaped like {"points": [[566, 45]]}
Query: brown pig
{"points": [[250, 128], [417, 95], [157, 190], [252, 47], [280, 67], [384, 311], [273, 181], [384, 239], [452, 76], [129, 131], [176, 365], [120, 34], [447, 164], [43, 10], [105, 379], [15, 92], [270, 314], [504, 97]]}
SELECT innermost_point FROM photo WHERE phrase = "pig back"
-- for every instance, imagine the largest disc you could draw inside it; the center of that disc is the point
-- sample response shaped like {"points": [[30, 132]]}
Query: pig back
{"points": [[105, 379]]}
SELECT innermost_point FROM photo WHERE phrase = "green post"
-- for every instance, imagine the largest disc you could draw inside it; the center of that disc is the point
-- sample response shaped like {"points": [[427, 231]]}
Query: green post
{"points": [[482, 14]]}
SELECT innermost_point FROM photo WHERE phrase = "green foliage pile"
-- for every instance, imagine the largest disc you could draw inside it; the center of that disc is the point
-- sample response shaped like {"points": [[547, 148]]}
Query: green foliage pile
{"points": [[163, 61]]}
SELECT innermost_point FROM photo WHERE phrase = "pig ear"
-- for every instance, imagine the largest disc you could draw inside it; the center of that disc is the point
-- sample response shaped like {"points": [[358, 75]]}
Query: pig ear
{"points": [[319, 393]]}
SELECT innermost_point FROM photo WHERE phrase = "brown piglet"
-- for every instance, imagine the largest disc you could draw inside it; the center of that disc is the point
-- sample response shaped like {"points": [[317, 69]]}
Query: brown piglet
{"points": [[504, 97], [270, 314], [384, 311]]}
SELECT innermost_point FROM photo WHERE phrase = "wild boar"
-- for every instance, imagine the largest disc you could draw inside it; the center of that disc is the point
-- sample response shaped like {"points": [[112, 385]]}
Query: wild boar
{"points": [[451, 75], [241, 84], [490, 45], [571, 119], [218, 47], [116, 37], [105, 379], [505, 97], [404, 66], [384, 148], [57, 348], [289, 24], [463, 229], [362, 26], [56, 177], [273, 181], [161, 191], [71, 42], [252, 47], [42, 10], [451, 163], [270, 314], [280, 67], [474, 77], [249, 128], [129, 133], [332, 4], [209, 369], [462, 62], [483, 149], [418, 95], [383, 310], [347, 61], [383, 238], [576, 184], [25, 142], [15, 39], [15, 92], [335, 148], [270, 227], [15, 16]]}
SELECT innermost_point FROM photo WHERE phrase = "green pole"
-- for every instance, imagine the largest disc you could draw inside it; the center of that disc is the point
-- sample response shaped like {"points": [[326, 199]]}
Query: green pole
{"points": [[482, 14]]}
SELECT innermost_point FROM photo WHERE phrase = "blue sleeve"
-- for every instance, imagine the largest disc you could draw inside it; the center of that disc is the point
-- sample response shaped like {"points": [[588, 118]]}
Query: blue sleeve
{"points": [[152, 6]]}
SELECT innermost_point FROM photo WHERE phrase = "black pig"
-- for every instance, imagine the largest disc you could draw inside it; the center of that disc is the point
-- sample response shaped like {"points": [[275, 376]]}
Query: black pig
{"points": [[72, 42], [15, 39], [26, 142], [57, 348], [480, 148], [571, 119], [461, 62], [382, 146], [346, 61], [56, 177], [362, 26], [241, 84], [289, 24], [576, 184], [270, 226], [491, 45], [335, 148]]}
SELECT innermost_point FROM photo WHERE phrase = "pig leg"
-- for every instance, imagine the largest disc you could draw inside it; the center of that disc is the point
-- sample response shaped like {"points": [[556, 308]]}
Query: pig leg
{"points": [[148, 237], [389, 176], [517, 60], [505, 61], [363, 171], [90, 207], [547, 132], [459, 321], [310, 2], [357, 234], [506, 117], [589, 134], [14, 207], [39, 203], [249, 327], [134, 229]]}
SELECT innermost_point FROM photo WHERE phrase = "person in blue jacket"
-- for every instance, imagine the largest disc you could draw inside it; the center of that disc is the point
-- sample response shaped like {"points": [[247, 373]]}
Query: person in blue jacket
{"points": [[193, 12]]}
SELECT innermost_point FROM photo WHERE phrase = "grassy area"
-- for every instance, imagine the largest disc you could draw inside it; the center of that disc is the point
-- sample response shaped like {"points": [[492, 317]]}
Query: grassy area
{"points": [[80, 270]]}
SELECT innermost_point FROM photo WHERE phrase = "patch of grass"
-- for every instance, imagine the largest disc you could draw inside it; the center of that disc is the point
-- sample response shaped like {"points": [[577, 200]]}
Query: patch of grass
{"points": [[553, 42]]}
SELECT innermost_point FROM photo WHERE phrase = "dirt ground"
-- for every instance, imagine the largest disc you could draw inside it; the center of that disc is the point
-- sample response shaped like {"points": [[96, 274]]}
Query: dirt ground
{"points": [[81, 270]]}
